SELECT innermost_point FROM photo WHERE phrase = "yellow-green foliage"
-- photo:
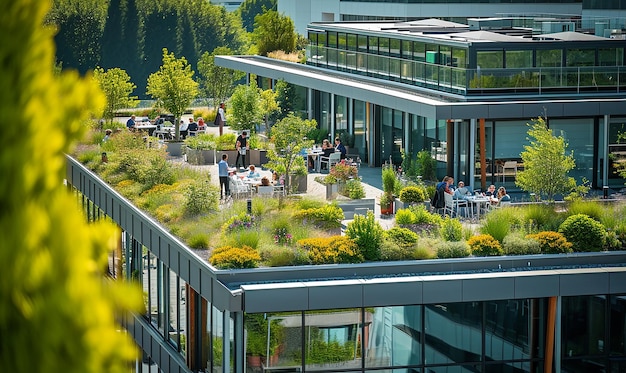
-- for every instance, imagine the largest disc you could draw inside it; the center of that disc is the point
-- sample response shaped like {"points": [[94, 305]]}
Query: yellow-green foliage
{"points": [[56, 314], [552, 242], [229, 257], [405, 217], [484, 245], [327, 216], [328, 250]]}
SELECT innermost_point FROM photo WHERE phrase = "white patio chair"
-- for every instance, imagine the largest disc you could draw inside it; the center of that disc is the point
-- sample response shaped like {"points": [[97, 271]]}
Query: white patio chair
{"points": [[265, 191], [239, 189], [331, 160]]}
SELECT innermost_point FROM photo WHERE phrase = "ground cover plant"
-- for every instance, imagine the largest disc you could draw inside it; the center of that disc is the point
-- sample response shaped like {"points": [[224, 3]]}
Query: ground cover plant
{"points": [[300, 230]]}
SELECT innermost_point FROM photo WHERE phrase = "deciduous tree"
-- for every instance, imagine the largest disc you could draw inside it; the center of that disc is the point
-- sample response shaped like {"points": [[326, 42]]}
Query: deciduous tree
{"points": [[288, 137], [57, 313], [173, 86], [546, 163], [217, 82], [117, 88], [245, 107]]}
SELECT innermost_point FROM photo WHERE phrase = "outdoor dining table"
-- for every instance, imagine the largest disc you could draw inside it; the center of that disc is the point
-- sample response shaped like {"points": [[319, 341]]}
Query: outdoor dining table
{"points": [[315, 154], [477, 203]]}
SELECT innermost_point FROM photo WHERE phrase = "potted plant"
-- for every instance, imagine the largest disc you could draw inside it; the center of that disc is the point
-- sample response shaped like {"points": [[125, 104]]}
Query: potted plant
{"points": [[389, 186], [257, 339]]}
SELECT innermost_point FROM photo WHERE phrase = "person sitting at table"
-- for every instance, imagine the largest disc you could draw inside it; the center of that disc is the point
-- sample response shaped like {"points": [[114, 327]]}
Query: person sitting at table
{"points": [[192, 127], [445, 184], [462, 192], [339, 147], [253, 173], [130, 123], [201, 125], [183, 129], [502, 195], [265, 181], [491, 191]]}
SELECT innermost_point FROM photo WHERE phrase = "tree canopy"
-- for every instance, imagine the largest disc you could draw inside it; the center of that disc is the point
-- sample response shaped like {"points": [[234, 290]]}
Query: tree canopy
{"points": [[57, 314], [251, 8], [245, 107], [173, 86], [217, 82], [546, 163], [273, 32], [117, 88]]}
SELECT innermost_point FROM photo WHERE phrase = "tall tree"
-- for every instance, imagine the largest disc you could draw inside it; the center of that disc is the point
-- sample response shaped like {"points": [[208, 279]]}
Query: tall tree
{"points": [[286, 97], [117, 88], [245, 107], [120, 38], [217, 82], [251, 8], [173, 86], [57, 314], [273, 32], [546, 163]]}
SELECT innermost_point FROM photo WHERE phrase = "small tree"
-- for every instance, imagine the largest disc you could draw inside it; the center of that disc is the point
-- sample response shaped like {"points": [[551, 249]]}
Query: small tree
{"points": [[245, 104], [546, 163], [117, 87], [268, 105], [173, 86], [273, 31], [217, 82], [288, 137]]}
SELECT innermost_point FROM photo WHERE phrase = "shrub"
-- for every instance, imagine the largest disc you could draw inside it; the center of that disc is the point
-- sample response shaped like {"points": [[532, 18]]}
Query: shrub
{"points": [[612, 243], [496, 226], [402, 236], [405, 217], [391, 250], [325, 217], [590, 208], [389, 180], [354, 189], [517, 244], [331, 250], [229, 257], [451, 229], [367, 233], [200, 198], [453, 249], [484, 245], [226, 141], [280, 256], [541, 217], [584, 233], [412, 194], [238, 222], [199, 241], [552, 242], [425, 217]]}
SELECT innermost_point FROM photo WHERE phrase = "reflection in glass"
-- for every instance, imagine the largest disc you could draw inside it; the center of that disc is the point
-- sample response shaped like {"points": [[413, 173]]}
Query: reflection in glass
{"points": [[333, 339], [583, 325], [453, 333], [217, 339], [394, 338]]}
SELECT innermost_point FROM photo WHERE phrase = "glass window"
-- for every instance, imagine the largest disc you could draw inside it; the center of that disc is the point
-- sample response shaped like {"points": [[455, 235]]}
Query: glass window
{"points": [[394, 47], [489, 59], [407, 51], [341, 113], [453, 333], [459, 57], [362, 42], [395, 335], [519, 59], [617, 326], [341, 40], [372, 44], [579, 135], [549, 58], [419, 51], [333, 338], [352, 43], [332, 39], [507, 323], [611, 57], [321, 40], [217, 339], [360, 129], [580, 57], [583, 325], [383, 46]]}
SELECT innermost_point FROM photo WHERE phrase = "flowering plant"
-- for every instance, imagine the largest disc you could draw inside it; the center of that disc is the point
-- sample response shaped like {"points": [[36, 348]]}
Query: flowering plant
{"points": [[342, 171], [282, 236], [239, 222]]}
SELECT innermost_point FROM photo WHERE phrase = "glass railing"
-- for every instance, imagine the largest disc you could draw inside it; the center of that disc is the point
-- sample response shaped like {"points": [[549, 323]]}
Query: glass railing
{"points": [[468, 82]]}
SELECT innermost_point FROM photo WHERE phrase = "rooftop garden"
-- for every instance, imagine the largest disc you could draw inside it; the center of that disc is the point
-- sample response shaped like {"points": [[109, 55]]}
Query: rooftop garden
{"points": [[298, 230]]}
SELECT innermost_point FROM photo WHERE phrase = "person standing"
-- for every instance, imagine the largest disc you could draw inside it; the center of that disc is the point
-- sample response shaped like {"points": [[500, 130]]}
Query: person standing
{"points": [[242, 146], [220, 118], [130, 123], [222, 167]]}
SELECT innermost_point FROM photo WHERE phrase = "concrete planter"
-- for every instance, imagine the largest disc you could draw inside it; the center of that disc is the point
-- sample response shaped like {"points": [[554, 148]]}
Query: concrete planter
{"points": [[200, 157], [331, 191], [232, 156], [175, 148]]}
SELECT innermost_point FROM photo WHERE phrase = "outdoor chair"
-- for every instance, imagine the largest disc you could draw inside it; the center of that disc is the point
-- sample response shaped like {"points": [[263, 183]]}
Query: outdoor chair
{"points": [[265, 191], [331, 160]]}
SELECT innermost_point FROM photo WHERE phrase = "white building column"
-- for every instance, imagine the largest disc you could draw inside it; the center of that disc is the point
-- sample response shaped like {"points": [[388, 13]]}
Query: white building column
{"points": [[309, 103], [471, 157]]}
